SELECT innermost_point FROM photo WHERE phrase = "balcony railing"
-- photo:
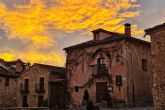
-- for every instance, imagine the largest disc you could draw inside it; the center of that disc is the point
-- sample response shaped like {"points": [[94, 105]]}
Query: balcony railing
{"points": [[23, 89], [39, 88], [100, 70]]}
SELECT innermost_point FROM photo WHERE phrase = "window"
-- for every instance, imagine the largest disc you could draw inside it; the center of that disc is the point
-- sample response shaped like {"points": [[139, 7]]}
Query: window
{"points": [[144, 64], [41, 83], [76, 89], [26, 84], [100, 60], [7, 82], [118, 80]]}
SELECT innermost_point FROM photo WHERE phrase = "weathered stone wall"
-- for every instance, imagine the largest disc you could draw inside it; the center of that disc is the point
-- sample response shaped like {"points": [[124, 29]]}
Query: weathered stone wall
{"points": [[8, 94], [139, 81], [33, 74], [158, 68], [129, 67], [79, 71]]}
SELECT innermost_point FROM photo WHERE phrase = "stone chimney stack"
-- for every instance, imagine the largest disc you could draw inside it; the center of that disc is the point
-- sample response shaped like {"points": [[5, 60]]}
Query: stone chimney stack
{"points": [[127, 29]]}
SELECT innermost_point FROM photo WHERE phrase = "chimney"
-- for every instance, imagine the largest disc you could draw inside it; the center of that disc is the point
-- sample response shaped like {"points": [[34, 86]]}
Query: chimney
{"points": [[127, 29]]}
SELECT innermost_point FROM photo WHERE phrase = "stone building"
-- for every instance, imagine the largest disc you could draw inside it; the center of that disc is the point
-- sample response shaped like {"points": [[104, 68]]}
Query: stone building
{"points": [[110, 61], [157, 35], [42, 86], [8, 89], [9, 73], [16, 66]]}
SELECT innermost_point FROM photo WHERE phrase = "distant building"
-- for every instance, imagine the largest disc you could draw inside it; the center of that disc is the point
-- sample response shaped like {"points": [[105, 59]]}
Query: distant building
{"points": [[157, 34], [110, 61], [8, 89], [9, 73], [42, 86], [16, 66]]}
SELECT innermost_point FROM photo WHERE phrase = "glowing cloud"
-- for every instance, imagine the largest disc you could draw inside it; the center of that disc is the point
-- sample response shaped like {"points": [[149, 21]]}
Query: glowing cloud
{"points": [[37, 57], [68, 15], [32, 21], [34, 56], [7, 56]]}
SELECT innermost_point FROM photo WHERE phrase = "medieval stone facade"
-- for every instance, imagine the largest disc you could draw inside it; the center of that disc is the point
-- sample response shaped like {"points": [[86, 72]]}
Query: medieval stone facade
{"points": [[42, 86], [157, 34], [111, 61], [8, 90], [9, 73]]}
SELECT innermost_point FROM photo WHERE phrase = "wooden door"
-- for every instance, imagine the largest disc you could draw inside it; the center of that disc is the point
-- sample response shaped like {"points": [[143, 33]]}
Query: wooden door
{"points": [[24, 100], [40, 101], [57, 91], [100, 88]]}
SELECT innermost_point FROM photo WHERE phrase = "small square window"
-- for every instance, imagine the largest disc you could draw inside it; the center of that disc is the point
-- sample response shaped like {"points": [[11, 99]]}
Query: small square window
{"points": [[76, 89], [144, 64]]}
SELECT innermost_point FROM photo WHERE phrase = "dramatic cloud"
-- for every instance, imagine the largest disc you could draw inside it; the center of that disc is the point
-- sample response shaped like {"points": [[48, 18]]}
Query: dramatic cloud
{"points": [[32, 20], [33, 56]]}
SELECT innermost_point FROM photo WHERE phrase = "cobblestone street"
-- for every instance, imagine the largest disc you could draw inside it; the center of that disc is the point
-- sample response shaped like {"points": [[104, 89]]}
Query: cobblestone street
{"points": [[135, 108]]}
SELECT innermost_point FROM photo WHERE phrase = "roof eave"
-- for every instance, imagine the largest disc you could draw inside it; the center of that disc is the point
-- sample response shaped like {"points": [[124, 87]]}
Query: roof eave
{"points": [[155, 28]]}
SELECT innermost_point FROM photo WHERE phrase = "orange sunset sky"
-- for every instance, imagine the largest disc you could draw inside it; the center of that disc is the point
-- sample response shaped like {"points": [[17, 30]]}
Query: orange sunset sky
{"points": [[38, 30]]}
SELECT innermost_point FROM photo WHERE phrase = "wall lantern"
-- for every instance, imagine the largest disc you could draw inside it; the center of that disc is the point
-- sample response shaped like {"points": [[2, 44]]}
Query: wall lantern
{"points": [[110, 89]]}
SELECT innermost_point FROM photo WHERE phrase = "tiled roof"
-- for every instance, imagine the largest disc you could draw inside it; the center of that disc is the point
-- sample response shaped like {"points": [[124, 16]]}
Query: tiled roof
{"points": [[114, 37], [105, 31], [53, 69], [9, 75], [9, 63], [4, 72], [154, 28]]}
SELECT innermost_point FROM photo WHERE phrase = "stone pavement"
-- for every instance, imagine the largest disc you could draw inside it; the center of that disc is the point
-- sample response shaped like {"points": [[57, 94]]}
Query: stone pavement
{"points": [[134, 108]]}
